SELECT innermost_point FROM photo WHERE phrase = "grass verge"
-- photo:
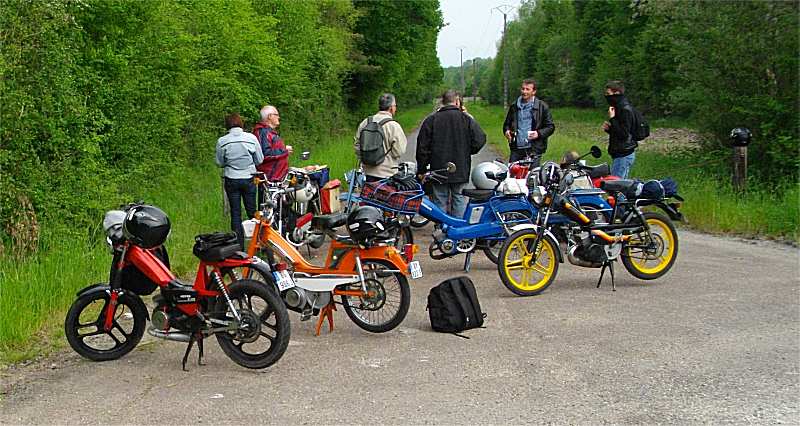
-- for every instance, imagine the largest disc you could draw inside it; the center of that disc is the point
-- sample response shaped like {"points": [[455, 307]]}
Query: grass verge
{"points": [[711, 203], [36, 292]]}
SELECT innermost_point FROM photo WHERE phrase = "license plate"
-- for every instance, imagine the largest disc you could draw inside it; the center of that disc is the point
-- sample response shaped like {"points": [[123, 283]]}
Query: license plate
{"points": [[283, 279], [415, 269]]}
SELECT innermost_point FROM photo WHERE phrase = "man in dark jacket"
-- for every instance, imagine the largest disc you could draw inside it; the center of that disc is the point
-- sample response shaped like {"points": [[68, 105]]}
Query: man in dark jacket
{"points": [[621, 145], [449, 135], [528, 125]]}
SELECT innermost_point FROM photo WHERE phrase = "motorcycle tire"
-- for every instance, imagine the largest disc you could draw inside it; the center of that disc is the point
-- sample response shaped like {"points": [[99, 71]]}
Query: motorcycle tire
{"points": [[492, 249], [515, 255], [274, 329], [88, 313], [418, 221], [393, 295], [404, 236], [649, 263]]}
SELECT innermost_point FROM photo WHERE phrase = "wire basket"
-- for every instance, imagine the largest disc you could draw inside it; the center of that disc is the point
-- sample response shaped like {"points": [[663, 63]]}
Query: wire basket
{"points": [[386, 196]]}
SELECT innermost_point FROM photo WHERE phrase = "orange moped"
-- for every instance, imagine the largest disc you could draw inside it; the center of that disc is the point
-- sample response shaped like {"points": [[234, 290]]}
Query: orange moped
{"points": [[365, 270]]}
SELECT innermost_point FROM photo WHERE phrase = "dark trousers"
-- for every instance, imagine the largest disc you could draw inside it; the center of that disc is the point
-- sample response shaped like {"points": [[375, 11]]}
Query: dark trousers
{"points": [[238, 191], [520, 154]]}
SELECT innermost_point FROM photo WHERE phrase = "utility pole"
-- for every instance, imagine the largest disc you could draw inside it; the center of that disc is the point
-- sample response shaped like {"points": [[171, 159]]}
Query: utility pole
{"points": [[474, 79], [504, 9], [461, 49]]}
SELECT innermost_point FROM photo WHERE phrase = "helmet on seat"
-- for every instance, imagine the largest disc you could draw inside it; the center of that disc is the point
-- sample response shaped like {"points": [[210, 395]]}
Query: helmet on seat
{"points": [[480, 175], [146, 226], [365, 223], [549, 174]]}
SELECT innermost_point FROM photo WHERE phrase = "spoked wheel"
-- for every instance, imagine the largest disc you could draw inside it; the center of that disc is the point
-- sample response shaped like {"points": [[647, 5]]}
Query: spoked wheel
{"points": [[84, 326], [648, 258], [263, 334], [387, 302], [492, 249], [522, 269]]}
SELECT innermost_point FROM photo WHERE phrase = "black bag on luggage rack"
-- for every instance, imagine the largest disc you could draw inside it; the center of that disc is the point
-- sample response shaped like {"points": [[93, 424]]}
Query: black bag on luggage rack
{"points": [[453, 306], [216, 246]]}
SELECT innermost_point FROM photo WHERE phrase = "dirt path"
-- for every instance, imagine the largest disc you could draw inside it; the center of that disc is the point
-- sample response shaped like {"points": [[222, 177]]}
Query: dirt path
{"points": [[714, 341]]}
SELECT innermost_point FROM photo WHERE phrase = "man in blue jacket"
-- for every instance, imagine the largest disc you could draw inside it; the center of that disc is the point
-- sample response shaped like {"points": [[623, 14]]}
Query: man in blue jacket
{"points": [[528, 124]]}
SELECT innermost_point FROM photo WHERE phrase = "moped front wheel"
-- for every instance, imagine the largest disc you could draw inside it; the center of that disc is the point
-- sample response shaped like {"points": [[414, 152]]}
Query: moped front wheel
{"points": [[264, 331], [524, 270], [650, 257], [387, 300], [85, 331]]}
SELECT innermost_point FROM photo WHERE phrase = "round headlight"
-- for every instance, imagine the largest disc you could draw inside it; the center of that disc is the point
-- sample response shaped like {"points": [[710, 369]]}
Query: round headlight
{"points": [[537, 195]]}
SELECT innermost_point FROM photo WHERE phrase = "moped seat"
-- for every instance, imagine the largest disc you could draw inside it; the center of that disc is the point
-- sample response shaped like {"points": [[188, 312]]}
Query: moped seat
{"points": [[328, 221], [620, 185], [597, 171], [478, 194]]}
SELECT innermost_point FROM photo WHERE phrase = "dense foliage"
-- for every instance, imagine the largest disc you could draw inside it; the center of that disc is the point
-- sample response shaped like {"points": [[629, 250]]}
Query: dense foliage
{"points": [[722, 64], [100, 98]]}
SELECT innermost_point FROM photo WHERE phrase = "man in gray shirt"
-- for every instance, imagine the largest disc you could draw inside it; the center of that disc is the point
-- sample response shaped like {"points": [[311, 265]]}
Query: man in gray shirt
{"points": [[238, 153]]}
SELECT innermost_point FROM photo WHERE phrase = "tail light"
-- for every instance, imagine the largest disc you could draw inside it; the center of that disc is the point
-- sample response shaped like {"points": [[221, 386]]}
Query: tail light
{"points": [[281, 266], [408, 252]]}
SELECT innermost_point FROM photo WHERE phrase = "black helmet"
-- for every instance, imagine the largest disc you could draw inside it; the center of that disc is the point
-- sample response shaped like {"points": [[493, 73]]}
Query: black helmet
{"points": [[549, 174], [146, 226], [740, 136], [365, 223]]}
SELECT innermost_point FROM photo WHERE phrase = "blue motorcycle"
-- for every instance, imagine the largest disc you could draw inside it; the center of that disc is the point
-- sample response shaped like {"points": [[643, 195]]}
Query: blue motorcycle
{"points": [[496, 207]]}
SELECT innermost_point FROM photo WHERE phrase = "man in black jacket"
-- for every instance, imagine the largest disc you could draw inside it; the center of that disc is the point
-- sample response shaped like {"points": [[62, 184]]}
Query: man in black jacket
{"points": [[528, 125], [449, 135], [621, 145]]}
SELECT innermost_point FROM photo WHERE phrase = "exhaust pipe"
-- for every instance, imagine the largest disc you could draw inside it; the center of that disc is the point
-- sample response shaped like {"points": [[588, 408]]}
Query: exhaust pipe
{"points": [[178, 337]]}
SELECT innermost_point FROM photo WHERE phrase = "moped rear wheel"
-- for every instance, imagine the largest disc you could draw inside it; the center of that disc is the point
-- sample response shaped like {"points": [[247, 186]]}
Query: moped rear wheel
{"points": [[492, 249], [418, 221], [650, 258], [524, 271], [387, 304], [264, 335], [84, 325]]}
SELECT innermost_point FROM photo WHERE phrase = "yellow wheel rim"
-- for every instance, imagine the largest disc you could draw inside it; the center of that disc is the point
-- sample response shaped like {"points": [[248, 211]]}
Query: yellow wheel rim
{"points": [[652, 261], [519, 266]]}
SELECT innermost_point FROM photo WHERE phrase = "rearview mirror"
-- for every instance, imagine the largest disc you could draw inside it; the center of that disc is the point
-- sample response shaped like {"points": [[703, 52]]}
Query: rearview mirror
{"points": [[451, 168], [595, 150], [305, 155]]}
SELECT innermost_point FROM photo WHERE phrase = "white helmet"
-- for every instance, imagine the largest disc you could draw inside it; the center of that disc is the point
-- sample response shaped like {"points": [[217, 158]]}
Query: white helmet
{"points": [[305, 192], [493, 168]]}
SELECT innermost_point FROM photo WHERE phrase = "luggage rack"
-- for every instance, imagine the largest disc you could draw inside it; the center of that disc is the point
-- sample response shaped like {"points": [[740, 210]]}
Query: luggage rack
{"points": [[386, 197]]}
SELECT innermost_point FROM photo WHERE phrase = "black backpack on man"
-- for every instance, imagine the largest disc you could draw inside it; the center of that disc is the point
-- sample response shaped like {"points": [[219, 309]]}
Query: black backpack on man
{"points": [[372, 142]]}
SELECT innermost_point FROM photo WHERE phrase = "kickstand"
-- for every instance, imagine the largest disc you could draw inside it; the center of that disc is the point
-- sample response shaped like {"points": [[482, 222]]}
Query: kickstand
{"points": [[468, 262], [196, 337], [326, 312], [610, 265]]}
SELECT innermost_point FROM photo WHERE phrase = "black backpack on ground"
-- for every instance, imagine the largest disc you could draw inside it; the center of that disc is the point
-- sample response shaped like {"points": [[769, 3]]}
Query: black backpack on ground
{"points": [[641, 128], [453, 306], [372, 142]]}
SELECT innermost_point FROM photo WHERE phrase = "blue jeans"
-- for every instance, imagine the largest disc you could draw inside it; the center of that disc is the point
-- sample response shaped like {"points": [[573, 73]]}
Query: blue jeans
{"points": [[448, 197], [239, 190], [622, 166]]}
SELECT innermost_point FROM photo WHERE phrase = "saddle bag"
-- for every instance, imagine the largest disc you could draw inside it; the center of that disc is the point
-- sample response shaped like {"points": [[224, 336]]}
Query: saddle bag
{"points": [[216, 246], [453, 306]]}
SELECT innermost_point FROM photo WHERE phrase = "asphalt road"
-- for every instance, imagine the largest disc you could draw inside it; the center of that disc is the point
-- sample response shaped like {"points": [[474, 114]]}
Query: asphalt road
{"points": [[714, 341]]}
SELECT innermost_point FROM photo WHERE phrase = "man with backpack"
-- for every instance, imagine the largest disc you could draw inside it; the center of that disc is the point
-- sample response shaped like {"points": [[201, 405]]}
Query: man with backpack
{"points": [[380, 141], [449, 135], [625, 128]]}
